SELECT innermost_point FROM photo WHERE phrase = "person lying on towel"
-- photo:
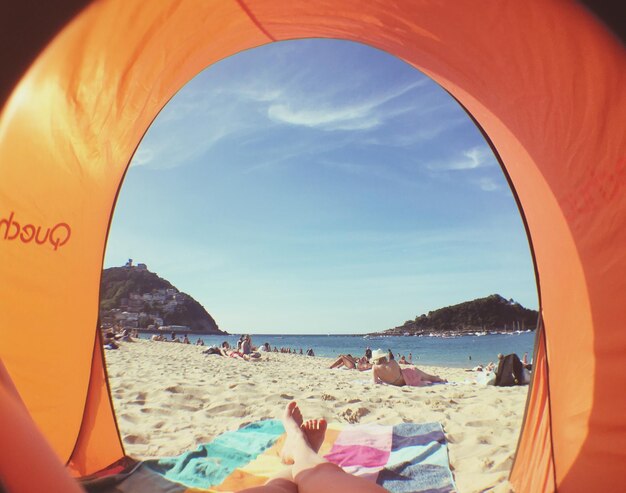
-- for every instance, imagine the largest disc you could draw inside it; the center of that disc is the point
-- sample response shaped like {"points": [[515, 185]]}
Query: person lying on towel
{"points": [[389, 371]]}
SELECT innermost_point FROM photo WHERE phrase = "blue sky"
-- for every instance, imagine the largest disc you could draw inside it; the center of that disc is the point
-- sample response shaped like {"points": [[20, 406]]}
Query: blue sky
{"points": [[320, 186]]}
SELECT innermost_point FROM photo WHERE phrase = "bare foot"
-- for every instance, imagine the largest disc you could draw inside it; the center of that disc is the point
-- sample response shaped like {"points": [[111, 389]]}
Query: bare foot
{"points": [[309, 435], [292, 421], [315, 431]]}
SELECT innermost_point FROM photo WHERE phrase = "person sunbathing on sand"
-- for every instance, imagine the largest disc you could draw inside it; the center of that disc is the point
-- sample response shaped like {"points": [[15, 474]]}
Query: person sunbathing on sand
{"points": [[350, 362], [385, 370], [308, 471], [389, 372], [346, 360]]}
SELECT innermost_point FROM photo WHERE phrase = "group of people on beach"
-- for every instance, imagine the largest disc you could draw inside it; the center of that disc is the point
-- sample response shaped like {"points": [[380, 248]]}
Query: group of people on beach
{"points": [[246, 350], [112, 336], [288, 350], [385, 369], [174, 338], [509, 370]]}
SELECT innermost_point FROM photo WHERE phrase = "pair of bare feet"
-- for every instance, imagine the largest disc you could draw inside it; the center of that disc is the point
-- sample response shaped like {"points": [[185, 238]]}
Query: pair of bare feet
{"points": [[304, 439], [308, 472]]}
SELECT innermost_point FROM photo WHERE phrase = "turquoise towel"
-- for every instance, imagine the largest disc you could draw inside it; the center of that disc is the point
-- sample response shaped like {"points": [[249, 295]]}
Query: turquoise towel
{"points": [[211, 463]]}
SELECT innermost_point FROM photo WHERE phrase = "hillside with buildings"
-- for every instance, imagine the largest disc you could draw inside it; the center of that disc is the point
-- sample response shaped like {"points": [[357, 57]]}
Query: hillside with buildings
{"points": [[132, 296], [484, 315]]}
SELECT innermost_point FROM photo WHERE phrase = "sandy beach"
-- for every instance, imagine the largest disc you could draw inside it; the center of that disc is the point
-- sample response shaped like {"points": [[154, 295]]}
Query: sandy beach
{"points": [[171, 397]]}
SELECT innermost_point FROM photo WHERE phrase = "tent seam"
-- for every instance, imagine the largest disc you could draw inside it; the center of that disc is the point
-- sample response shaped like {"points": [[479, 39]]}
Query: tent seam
{"points": [[256, 21], [545, 345], [97, 343], [82, 421]]}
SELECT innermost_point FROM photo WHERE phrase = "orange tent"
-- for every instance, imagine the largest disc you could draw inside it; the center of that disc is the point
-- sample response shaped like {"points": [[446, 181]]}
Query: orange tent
{"points": [[544, 79]]}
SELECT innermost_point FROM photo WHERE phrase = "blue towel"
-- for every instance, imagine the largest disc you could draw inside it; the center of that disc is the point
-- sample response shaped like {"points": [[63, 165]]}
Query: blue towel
{"points": [[418, 461]]}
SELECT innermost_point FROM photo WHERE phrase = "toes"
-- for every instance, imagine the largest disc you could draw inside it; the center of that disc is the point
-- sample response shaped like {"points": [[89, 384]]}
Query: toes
{"points": [[292, 409], [289, 410], [292, 413]]}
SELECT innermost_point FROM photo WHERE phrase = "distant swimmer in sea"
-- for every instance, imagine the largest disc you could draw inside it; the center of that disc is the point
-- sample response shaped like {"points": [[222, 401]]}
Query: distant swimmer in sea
{"points": [[389, 372], [309, 472]]}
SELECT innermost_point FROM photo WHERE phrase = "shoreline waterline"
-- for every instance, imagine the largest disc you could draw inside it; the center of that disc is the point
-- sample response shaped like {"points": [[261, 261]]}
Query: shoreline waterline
{"points": [[458, 352]]}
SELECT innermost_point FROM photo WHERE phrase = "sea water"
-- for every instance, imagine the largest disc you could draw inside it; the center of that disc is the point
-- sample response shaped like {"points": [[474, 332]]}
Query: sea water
{"points": [[460, 352]]}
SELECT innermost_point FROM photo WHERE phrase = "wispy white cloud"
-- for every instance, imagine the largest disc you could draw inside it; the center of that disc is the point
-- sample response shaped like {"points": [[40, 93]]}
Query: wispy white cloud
{"points": [[190, 125], [364, 114], [476, 157], [208, 112], [259, 94], [347, 118], [425, 129], [488, 184]]}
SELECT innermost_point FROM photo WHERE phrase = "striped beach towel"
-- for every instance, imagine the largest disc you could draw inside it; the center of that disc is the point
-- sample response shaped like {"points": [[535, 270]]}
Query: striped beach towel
{"points": [[402, 458]]}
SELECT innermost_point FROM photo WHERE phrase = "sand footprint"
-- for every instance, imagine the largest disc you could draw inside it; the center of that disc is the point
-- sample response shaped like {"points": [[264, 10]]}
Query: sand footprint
{"points": [[354, 416], [140, 398], [484, 440], [135, 440], [128, 417], [478, 423], [175, 389]]}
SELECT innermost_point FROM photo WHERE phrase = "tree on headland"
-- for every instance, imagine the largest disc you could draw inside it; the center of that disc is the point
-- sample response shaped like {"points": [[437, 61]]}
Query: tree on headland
{"points": [[491, 314]]}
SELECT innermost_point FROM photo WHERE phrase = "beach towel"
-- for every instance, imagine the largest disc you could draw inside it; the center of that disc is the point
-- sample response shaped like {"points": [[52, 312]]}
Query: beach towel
{"points": [[402, 458]]}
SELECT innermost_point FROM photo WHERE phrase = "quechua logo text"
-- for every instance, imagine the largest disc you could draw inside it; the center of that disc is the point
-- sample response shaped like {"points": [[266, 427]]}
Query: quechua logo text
{"points": [[56, 235]]}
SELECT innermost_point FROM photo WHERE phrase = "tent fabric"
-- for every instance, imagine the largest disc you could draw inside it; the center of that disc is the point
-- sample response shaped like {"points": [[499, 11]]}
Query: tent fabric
{"points": [[96, 447], [536, 429], [544, 80]]}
